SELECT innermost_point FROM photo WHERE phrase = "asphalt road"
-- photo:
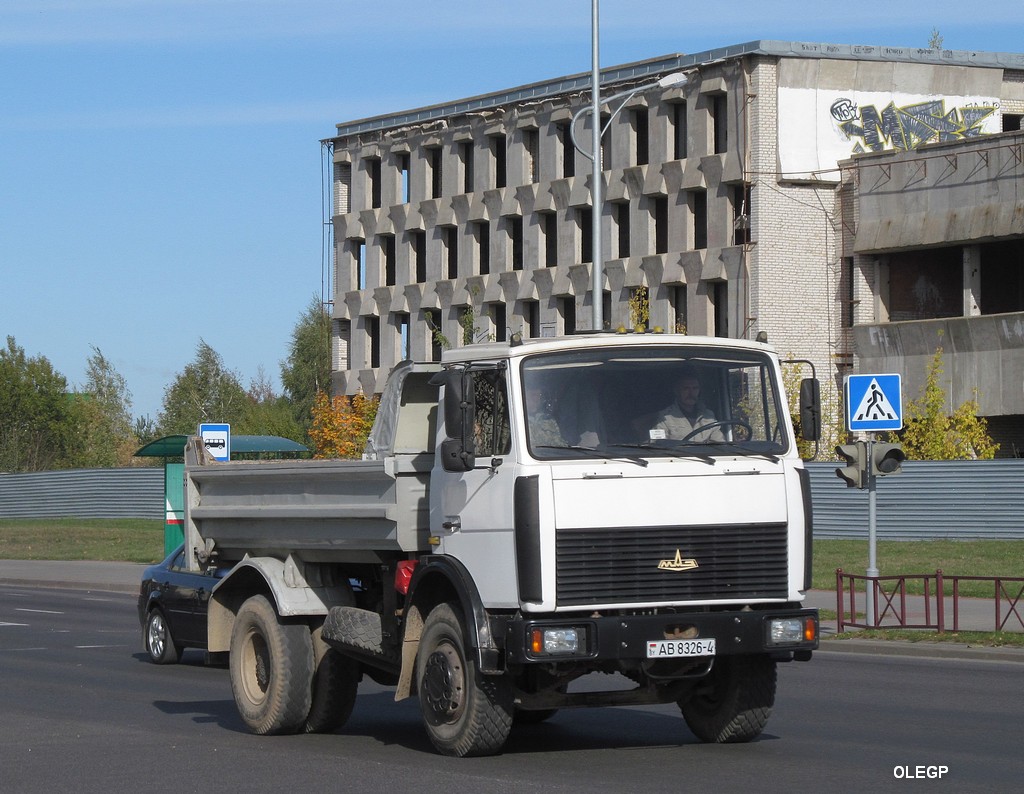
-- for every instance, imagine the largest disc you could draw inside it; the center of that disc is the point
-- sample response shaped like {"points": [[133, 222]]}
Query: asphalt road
{"points": [[81, 708]]}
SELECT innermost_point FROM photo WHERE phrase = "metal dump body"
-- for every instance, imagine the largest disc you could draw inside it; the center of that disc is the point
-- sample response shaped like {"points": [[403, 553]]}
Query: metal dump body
{"points": [[309, 509], [323, 510]]}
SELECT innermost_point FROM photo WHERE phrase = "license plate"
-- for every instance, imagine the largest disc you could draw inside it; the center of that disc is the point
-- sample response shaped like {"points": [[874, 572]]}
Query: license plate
{"points": [[674, 649]]}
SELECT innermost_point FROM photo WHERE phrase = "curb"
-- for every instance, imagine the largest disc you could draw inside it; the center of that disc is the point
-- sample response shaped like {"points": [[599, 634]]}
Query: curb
{"points": [[923, 649]]}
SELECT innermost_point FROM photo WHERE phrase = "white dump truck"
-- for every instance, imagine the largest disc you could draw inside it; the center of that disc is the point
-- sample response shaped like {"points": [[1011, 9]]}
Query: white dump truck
{"points": [[630, 509]]}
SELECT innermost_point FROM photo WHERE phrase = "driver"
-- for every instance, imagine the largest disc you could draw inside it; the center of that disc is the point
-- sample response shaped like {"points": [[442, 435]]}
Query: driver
{"points": [[686, 413]]}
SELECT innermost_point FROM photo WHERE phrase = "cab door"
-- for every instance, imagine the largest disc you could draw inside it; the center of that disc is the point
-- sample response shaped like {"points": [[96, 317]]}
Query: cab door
{"points": [[472, 502]]}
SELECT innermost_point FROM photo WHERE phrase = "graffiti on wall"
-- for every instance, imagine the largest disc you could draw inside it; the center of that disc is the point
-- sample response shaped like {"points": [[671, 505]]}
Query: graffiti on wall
{"points": [[819, 128], [905, 127]]}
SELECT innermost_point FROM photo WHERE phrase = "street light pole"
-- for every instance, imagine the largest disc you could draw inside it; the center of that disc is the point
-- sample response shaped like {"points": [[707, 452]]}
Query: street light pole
{"points": [[597, 264], [597, 131]]}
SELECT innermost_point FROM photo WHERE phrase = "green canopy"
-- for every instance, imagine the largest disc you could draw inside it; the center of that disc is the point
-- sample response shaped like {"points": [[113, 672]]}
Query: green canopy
{"points": [[174, 446]]}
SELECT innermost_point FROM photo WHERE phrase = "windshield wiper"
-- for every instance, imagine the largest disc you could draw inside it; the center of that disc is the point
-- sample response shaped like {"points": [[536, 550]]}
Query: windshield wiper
{"points": [[674, 448], [747, 451], [668, 447], [596, 453]]}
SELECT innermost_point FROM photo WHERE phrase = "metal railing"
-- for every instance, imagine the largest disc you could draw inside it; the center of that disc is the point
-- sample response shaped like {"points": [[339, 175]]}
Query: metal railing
{"points": [[894, 607]]}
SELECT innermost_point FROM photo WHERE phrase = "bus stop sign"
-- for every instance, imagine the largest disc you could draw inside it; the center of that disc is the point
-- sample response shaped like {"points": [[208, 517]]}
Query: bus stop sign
{"points": [[217, 439]]}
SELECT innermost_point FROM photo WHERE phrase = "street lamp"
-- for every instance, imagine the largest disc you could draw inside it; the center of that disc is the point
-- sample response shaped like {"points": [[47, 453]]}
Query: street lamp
{"points": [[597, 130]]}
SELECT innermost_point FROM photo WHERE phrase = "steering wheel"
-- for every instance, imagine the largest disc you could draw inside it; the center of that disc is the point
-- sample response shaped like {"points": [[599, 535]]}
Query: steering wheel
{"points": [[721, 423]]}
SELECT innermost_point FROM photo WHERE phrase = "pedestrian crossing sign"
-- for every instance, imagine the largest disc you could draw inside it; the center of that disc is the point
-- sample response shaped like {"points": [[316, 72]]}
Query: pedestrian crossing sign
{"points": [[874, 402]]}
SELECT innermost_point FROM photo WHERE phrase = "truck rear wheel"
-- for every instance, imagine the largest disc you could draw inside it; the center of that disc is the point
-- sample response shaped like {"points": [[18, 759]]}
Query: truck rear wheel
{"points": [[271, 666], [465, 713], [733, 702], [335, 684]]}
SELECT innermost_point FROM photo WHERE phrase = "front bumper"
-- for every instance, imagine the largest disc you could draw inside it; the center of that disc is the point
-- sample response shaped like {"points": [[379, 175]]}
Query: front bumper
{"points": [[626, 637]]}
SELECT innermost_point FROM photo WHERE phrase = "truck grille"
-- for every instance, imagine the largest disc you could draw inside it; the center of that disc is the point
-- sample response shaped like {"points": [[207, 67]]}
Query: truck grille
{"points": [[620, 565]]}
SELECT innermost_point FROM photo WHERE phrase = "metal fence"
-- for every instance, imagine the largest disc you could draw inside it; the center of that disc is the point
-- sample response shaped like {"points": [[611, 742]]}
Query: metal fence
{"points": [[84, 493], [896, 608], [929, 500]]}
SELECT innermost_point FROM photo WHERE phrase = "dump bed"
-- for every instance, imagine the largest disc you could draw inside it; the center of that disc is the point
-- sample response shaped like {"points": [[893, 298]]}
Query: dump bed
{"points": [[316, 510]]}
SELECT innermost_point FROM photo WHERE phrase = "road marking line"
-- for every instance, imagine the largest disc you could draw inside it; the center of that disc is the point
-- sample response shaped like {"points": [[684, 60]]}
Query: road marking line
{"points": [[40, 611]]}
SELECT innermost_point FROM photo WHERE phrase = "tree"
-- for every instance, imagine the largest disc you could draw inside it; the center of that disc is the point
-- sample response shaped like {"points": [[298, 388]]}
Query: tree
{"points": [[106, 437], [307, 370], [639, 308], [269, 413], [341, 426], [36, 414], [929, 433], [935, 40], [205, 391], [145, 429]]}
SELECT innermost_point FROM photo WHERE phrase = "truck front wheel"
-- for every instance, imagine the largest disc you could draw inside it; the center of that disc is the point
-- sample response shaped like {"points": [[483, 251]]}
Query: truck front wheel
{"points": [[465, 713], [271, 666], [733, 702]]}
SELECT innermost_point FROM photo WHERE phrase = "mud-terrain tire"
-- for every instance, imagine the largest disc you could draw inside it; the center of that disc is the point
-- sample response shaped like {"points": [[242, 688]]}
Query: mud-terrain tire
{"points": [[335, 685], [465, 713], [733, 702], [271, 665]]}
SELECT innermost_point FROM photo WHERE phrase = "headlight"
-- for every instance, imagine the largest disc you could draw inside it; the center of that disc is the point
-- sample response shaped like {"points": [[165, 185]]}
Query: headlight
{"points": [[557, 641], [561, 641], [792, 631]]}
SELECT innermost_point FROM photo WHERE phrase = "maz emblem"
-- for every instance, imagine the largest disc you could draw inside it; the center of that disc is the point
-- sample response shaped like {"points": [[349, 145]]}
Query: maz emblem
{"points": [[678, 564]]}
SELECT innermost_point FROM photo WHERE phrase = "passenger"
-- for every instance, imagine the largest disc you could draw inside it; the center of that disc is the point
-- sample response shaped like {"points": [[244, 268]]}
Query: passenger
{"points": [[543, 427], [686, 413]]}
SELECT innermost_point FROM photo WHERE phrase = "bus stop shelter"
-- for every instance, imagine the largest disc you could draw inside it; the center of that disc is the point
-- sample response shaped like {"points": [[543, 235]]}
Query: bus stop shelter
{"points": [[172, 450]]}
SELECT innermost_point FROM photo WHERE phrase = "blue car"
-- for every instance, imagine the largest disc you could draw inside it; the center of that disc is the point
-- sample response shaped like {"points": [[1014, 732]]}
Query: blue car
{"points": [[173, 604]]}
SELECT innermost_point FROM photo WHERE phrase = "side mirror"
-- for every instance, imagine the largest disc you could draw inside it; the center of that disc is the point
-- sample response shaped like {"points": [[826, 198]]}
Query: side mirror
{"points": [[810, 409], [455, 457], [452, 382], [458, 449]]}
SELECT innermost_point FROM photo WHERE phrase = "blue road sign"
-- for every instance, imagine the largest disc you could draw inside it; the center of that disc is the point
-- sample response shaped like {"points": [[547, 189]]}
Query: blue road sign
{"points": [[217, 439], [874, 402]]}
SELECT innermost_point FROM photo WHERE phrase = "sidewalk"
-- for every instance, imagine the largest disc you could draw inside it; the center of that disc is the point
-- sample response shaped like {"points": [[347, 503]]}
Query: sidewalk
{"points": [[117, 577], [124, 577]]}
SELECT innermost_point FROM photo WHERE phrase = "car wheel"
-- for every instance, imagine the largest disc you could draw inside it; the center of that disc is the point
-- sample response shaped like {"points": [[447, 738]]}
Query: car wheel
{"points": [[271, 666], [156, 636]]}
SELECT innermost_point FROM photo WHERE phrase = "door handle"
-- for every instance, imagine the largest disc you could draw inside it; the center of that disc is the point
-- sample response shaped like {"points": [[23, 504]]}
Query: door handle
{"points": [[453, 525]]}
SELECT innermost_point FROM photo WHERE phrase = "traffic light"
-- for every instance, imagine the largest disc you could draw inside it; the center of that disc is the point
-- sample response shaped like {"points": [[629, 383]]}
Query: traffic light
{"points": [[855, 472], [886, 459]]}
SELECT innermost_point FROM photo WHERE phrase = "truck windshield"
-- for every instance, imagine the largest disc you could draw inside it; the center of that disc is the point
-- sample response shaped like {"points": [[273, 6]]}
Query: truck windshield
{"points": [[653, 402]]}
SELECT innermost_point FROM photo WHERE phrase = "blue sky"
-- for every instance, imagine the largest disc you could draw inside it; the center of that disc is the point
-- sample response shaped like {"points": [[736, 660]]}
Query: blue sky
{"points": [[160, 159]]}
